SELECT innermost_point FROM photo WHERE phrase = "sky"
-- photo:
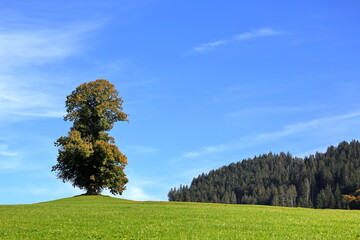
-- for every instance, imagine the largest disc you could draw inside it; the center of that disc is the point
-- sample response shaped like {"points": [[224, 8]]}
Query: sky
{"points": [[205, 84]]}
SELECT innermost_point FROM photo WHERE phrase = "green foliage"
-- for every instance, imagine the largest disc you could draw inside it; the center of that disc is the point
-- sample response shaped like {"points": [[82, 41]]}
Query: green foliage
{"points": [[99, 217], [318, 181], [94, 107], [87, 156]]}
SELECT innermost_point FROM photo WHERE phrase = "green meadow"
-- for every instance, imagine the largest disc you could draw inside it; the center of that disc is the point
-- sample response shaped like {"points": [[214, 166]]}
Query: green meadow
{"points": [[101, 217]]}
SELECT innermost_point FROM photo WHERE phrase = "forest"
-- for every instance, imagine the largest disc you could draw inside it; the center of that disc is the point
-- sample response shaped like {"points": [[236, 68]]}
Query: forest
{"points": [[322, 180]]}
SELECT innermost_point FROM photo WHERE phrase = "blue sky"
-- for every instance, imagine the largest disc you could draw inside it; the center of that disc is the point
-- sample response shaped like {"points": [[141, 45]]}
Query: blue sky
{"points": [[205, 84]]}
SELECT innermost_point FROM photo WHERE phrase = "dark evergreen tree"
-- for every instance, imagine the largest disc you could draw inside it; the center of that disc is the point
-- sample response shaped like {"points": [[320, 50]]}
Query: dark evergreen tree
{"points": [[321, 200], [304, 195], [233, 199]]}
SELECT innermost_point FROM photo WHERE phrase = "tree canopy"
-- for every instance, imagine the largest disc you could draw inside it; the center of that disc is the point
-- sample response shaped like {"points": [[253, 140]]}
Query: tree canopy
{"points": [[87, 157]]}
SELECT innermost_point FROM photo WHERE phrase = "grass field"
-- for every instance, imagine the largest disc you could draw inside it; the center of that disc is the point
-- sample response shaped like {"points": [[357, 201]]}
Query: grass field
{"points": [[100, 217]]}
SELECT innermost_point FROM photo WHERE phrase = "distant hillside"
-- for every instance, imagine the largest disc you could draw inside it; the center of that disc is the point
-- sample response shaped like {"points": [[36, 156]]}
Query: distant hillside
{"points": [[318, 181]]}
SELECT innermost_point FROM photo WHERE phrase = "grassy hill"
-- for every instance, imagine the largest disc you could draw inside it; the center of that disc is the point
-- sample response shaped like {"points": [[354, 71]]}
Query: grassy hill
{"points": [[100, 217]]}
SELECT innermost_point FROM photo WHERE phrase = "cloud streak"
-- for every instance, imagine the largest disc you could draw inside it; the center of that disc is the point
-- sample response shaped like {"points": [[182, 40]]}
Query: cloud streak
{"points": [[263, 32], [288, 130], [136, 189], [38, 46], [137, 194], [142, 150], [8, 165], [4, 151], [24, 92], [258, 33], [307, 126]]}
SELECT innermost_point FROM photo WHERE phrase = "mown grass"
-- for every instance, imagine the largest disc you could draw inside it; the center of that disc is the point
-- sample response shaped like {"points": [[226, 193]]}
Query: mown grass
{"points": [[99, 217]]}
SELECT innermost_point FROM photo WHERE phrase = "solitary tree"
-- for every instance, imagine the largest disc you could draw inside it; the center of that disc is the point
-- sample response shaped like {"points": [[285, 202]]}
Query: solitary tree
{"points": [[87, 156]]}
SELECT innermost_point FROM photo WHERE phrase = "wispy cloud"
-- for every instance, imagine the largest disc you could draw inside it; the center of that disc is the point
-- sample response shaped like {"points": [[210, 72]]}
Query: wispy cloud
{"points": [[5, 152], [308, 126], [207, 150], [263, 32], [60, 190], [138, 194], [270, 109], [315, 125], [209, 46], [41, 45], [142, 150], [135, 190], [24, 90], [8, 164], [258, 33], [8, 159]]}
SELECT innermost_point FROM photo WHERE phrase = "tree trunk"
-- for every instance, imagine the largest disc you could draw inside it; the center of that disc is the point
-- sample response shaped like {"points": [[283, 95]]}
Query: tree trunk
{"points": [[92, 192]]}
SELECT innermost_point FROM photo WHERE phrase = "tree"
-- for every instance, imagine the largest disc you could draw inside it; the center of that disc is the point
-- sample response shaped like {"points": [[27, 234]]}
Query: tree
{"points": [[330, 197], [282, 195], [87, 157], [233, 199], [339, 199], [321, 200], [226, 198], [304, 200], [291, 195], [275, 199], [172, 194]]}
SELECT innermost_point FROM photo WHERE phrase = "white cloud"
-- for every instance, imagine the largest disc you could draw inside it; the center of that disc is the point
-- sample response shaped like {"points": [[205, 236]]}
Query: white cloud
{"points": [[268, 109], [40, 113], [7, 158], [206, 150], [8, 164], [20, 47], [137, 194], [263, 32], [142, 188], [62, 189], [4, 151], [209, 46], [307, 126], [315, 125], [25, 90], [142, 150]]}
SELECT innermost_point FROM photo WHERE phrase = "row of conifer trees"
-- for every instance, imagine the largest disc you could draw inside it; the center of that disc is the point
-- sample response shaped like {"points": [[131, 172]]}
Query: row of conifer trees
{"points": [[320, 181]]}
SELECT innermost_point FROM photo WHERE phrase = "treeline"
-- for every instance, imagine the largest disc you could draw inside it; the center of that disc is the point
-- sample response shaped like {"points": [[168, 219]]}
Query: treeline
{"points": [[320, 181]]}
